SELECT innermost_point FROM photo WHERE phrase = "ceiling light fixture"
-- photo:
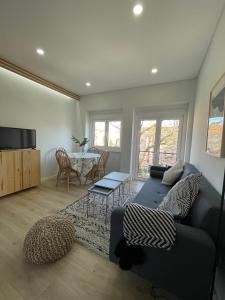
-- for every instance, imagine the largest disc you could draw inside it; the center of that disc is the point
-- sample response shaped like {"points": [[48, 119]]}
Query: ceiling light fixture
{"points": [[138, 9], [154, 70], [88, 84], [40, 51]]}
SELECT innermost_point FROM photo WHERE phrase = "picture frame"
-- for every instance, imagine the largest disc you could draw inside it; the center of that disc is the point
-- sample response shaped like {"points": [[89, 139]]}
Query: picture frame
{"points": [[215, 144]]}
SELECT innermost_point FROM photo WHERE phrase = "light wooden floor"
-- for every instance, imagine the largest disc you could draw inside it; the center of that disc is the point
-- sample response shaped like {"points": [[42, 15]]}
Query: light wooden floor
{"points": [[80, 275]]}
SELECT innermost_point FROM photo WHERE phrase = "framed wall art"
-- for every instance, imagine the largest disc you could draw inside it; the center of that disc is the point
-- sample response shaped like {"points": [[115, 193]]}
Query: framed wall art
{"points": [[216, 132]]}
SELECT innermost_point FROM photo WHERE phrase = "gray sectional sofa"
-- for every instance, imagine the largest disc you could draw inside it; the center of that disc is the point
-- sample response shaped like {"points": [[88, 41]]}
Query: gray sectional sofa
{"points": [[187, 269]]}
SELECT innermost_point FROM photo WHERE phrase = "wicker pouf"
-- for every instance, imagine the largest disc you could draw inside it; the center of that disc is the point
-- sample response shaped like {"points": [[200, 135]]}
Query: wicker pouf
{"points": [[48, 240]]}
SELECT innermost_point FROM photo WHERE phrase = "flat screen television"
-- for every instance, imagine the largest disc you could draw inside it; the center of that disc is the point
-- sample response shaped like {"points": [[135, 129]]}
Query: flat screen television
{"points": [[17, 138]]}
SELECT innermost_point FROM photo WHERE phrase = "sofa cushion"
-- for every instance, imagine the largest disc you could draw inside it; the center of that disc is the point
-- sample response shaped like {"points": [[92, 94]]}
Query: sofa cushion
{"points": [[205, 210], [152, 193], [188, 169], [170, 176], [180, 198]]}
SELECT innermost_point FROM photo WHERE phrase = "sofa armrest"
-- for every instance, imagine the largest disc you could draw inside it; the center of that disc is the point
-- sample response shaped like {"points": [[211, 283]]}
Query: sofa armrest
{"points": [[116, 231], [157, 171], [186, 270]]}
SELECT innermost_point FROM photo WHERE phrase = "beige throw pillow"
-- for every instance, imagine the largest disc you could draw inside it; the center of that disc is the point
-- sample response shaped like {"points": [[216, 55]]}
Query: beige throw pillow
{"points": [[171, 175]]}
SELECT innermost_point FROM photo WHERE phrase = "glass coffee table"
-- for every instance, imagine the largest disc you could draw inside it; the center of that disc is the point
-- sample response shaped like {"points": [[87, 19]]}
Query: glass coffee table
{"points": [[105, 188], [121, 177]]}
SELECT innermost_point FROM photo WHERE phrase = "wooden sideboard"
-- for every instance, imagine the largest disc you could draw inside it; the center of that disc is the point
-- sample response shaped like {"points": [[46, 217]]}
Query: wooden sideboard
{"points": [[19, 170]]}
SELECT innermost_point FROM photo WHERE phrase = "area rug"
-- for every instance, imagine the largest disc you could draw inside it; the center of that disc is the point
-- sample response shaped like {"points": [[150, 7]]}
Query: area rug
{"points": [[91, 223]]}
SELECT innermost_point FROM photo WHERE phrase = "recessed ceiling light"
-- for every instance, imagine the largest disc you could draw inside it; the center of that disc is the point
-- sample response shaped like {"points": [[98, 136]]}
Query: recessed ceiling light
{"points": [[40, 51], [88, 84], [138, 9], [154, 70]]}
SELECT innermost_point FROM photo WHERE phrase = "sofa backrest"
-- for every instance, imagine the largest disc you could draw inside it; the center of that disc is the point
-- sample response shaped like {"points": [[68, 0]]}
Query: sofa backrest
{"points": [[188, 169], [205, 210]]}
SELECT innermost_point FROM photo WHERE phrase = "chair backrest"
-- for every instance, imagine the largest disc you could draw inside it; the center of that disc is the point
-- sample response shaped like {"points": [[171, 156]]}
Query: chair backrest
{"points": [[63, 159], [95, 150], [103, 159]]}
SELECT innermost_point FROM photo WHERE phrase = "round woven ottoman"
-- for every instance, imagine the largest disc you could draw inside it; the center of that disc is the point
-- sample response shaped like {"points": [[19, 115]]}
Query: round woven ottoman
{"points": [[48, 240]]}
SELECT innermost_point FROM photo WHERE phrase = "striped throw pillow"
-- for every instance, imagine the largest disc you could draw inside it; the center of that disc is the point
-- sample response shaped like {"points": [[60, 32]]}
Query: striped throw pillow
{"points": [[180, 198], [148, 227]]}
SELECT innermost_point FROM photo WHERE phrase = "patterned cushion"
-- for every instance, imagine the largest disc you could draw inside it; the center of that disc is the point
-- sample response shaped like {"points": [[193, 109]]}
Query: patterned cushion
{"points": [[171, 175], [180, 198], [145, 226]]}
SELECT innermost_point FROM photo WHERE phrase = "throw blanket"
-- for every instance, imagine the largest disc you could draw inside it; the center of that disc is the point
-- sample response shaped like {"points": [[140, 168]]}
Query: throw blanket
{"points": [[144, 226]]}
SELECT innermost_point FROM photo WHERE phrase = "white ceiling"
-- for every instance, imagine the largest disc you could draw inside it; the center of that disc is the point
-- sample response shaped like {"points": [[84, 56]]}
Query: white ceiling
{"points": [[102, 42]]}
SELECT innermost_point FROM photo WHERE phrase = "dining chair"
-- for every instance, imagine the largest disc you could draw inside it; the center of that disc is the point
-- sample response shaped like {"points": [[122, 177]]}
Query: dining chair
{"points": [[98, 170], [65, 168], [94, 150], [104, 159]]}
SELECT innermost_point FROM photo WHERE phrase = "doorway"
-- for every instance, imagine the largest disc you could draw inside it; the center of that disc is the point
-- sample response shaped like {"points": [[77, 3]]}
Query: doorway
{"points": [[158, 143]]}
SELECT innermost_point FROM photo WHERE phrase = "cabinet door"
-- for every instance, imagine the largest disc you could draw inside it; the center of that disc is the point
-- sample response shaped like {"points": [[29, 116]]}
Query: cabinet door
{"points": [[31, 168], [18, 174], [7, 183]]}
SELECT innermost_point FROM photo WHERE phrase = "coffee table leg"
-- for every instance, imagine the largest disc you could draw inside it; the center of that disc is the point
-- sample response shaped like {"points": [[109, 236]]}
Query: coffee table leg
{"points": [[123, 191], [88, 203], [106, 208]]}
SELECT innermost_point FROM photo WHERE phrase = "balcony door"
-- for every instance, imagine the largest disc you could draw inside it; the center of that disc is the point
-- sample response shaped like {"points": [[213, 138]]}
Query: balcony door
{"points": [[158, 143]]}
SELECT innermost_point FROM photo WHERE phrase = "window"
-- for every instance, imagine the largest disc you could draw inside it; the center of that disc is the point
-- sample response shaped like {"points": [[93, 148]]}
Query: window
{"points": [[107, 134], [99, 134]]}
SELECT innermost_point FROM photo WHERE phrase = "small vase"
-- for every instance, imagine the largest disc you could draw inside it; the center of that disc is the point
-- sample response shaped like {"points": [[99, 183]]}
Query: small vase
{"points": [[82, 151]]}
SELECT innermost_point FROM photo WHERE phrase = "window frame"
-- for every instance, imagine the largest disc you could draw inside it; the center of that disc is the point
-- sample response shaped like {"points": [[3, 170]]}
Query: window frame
{"points": [[106, 140]]}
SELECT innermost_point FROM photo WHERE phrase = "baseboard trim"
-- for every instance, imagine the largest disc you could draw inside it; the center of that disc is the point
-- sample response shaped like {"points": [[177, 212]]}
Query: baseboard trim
{"points": [[48, 177]]}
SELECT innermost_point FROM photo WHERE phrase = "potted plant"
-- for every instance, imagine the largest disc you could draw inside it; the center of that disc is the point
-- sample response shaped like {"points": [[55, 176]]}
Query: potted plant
{"points": [[80, 143]]}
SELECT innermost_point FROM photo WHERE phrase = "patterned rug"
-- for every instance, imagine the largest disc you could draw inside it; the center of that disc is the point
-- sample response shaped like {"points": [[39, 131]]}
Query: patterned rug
{"points": [[91, 222]]}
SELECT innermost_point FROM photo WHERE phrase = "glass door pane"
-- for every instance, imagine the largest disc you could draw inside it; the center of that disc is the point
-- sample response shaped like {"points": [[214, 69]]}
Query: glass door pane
{"points": [[146, 153], [169, 142]]}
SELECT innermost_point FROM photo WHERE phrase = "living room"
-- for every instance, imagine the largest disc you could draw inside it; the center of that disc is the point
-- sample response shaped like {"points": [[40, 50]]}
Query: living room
{"points": [[130, 79]]}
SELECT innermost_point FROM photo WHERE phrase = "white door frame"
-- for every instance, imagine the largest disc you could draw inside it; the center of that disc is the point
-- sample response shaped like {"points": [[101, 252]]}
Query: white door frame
{"points": [[159, 115]]}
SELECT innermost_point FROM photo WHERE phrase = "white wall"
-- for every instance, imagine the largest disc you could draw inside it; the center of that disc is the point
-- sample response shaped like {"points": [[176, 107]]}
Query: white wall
{"points": [[213, 67], [26, 104], [127, 101], [211, 167]]}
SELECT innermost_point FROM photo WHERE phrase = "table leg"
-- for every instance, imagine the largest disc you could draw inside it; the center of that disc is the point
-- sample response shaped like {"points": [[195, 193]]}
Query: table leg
{"points": [[106, 208], [123, 191]]}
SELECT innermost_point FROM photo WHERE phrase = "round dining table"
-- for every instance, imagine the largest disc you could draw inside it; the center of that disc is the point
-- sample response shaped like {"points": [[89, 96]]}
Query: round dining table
{"points": [[83, 161]]}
